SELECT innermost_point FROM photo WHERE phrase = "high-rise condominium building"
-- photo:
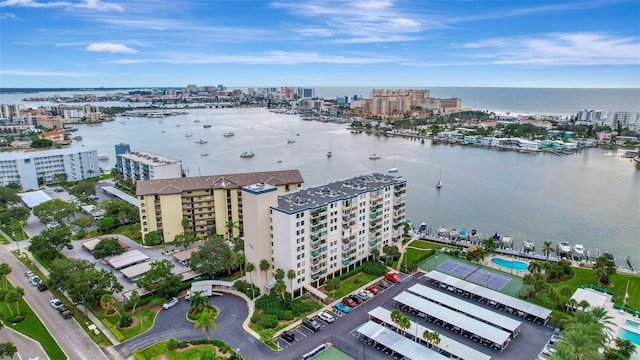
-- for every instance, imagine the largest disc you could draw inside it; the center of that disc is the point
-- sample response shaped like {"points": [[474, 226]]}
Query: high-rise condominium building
{"points": [[205, 203], [30, 169], [143, 165], [321, 231]]}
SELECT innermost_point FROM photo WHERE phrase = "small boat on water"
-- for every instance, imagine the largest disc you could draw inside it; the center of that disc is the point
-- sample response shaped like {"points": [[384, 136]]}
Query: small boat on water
{"points": [[374, 156], [228, 134], [474, 235], [206, 126], [204, 154], [77, 138], [453, 234], [439, 183], [578, 250], [291, 140], [188, 135], [529, 246], [463, 234], [563, 248], [247, 154], [608, 255], [423, 228], [329, 153], [442, 231], [506, 242], [196, 121], [393, 170], [201, 141]]}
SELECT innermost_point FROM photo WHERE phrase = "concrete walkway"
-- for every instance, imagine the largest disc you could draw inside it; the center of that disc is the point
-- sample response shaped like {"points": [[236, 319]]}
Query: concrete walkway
{"points": [[27, 347]]}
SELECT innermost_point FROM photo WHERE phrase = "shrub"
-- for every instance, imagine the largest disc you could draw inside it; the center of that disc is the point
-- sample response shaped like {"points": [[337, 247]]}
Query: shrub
{"points": [[270, 321], [207, 355], [256, 317], [125, 321], [172, 344], [287, 315], [374, 268], [183, 344]]}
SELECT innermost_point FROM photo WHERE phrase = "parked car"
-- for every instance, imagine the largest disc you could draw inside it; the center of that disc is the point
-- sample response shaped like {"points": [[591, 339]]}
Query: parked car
{"points": [[349, 302], [58, 189], [56, 303], [65, 312], [326, 317], [29, 274], [359, 297], [393, 277], [42, 286], [356, 299], [342, 307], [288, 335], [383, 284], [170, 303], [374, 290], [310, 324], [34, 280], [53, 224], [366, 293]]}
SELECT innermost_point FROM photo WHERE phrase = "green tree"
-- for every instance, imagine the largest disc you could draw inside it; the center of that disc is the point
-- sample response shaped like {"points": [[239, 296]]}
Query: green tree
{"points": [[106, 223], [395, 315], [121, 211], [535, 267], [15, 213], [264, 266], [214, 256], [48, 244], [134, 298], [291, 275], [5, 269], [153, 238], [266, 335], [197, 303], [280, 288], [278, 274], [231, 226], [81, 280], [41, 144], [603, 270], [206, 322], [53, 210], [489, 244], [332, 285], [107, 302], [83, 222], [185, 239], [8, 197], [160, 279], [13, 296], [404, 323], [249, 267], [238, 260], [375, 252], [8, 349], [547, 248], [83, 190], [107, 247]]}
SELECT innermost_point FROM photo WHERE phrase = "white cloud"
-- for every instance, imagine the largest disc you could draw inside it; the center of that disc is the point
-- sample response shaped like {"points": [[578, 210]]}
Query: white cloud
{"points": [[561, 49], [87, 4], [100, 6], [9, 16], [111, 48], [43, 73]]}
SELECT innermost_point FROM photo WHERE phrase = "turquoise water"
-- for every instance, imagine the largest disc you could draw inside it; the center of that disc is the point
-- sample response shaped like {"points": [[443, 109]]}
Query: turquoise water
{"points": [[631, 336], [514, 265], [633, 324]]}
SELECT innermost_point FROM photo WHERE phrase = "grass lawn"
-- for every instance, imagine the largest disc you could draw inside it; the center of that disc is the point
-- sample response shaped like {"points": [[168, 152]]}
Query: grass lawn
{"points": [[143, 318], [192, 352], [423, 244], [352, 283], [32, 327], [412, 254]]}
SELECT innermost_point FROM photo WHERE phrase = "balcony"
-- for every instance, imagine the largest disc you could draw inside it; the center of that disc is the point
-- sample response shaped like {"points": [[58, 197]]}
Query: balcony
{"points": [[315, 244], [345, 262], [315, 253]]}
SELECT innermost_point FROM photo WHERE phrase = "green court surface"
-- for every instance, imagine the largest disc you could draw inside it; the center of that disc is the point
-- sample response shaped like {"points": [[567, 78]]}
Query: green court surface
{"points": [[332, 353], [513, 288]]}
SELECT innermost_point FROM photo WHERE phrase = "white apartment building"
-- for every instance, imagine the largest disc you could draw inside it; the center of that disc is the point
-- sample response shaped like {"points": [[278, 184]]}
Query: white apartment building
{"points": [[626, 119], [142, 165], [30, 169], [321, 231]]}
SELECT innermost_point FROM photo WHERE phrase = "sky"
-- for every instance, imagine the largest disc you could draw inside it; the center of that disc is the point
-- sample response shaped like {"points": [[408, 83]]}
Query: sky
{"points": [[156, 43]]}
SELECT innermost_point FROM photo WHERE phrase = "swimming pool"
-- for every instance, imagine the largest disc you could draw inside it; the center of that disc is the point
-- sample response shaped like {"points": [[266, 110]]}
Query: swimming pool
{"points": [[510, 264], [630, 335], [633, 324]]}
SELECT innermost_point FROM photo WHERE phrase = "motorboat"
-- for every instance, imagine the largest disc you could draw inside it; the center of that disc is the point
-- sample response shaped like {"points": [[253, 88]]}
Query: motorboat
{"points": [[228, 134], [563, 248], [474, 235], [442, 231], [393, 170], [506, 242], [453, 234], [201, 141], [578, 250], [528, 246], [206, 126], [463, 234], [497, 238], [188, 135], [423, 228], [374, 156], [247, 154], [608, 255], [204, 154]]}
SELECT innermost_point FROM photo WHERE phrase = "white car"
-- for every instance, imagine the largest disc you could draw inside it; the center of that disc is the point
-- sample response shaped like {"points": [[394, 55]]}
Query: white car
{"points": [[170, 303], [56, 303], [367, 294], [34, 280], [53, 224], [29, 274], [326, 317]]}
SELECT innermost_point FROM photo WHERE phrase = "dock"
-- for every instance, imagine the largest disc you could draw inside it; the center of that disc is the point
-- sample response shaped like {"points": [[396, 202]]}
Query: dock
{"points": [[630, 264]]}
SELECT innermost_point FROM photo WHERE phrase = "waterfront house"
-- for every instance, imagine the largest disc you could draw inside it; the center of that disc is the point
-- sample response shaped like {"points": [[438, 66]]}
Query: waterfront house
{"points": [[603, 136], [54, 135]]}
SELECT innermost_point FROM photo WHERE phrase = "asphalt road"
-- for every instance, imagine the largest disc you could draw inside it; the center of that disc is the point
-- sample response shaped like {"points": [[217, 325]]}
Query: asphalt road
{"points": [[68, 334]]}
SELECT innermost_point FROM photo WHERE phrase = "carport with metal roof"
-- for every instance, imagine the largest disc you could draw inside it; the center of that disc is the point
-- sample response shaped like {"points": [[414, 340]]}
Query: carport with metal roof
{"points": [[377, 334], [127, 259]]}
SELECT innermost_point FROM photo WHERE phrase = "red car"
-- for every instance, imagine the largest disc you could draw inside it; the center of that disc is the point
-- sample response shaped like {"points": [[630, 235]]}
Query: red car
{"points": [[349, 302], [374, 290], [393, 277]]}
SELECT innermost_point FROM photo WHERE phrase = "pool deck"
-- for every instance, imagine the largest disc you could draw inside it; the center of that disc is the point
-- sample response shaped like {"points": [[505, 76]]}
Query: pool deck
{"points": [[521, 273]]}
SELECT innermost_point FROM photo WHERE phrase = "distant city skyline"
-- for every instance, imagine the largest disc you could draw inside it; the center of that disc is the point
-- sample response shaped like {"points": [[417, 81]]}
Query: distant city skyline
{"points": [[382, 43]]}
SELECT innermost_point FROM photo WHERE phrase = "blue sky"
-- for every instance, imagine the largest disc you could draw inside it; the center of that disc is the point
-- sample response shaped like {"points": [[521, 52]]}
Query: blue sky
{"points": [[112, 43]]}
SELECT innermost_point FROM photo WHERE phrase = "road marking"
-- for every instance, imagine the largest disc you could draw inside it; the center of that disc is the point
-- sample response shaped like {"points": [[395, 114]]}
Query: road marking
{"points": [[303, 334], [354, 329]]}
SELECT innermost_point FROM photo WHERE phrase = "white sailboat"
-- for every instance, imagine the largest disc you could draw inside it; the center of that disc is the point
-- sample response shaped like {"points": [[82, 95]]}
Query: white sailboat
{"points": [[439, 184], [291, 139], [394, 169], [329, 154]]}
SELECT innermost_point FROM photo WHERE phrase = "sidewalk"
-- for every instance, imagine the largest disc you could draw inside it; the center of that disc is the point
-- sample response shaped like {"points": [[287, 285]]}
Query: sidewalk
{"points": [[27, 347]]}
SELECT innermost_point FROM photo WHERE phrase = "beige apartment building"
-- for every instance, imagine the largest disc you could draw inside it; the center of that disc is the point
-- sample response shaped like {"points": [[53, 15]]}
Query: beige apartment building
{"points": [[391, 103], [206, 203]]}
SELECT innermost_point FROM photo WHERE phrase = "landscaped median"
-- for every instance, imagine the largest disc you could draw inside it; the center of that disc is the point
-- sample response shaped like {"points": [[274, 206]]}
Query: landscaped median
{"points": [[30, 326], [186, 350]]}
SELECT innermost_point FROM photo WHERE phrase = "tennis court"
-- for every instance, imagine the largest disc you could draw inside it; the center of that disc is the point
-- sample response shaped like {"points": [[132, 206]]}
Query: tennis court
{"points": [[332, 353], [478, 274]]}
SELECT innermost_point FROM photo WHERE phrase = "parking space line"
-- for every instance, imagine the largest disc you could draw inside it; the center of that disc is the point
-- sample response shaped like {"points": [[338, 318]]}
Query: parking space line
{"points": [[303, 334]]}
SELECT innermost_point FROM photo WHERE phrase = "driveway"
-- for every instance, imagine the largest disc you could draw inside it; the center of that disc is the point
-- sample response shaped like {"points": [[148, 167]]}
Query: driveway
{"points": [[68, 334]]}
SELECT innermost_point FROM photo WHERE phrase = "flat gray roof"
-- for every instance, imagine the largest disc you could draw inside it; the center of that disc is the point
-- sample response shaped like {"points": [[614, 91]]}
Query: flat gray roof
{"points": [[468, 308], [397, 342], [454, 318], [134, 271], [317, 196], [184, 255], [515, 303], [447, 344], [34, 198], [122, 195], [126, 259]]}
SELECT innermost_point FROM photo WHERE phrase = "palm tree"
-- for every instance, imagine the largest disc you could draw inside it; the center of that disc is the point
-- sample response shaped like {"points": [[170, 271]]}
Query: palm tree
{"points": [[14, 296], [197, 303], [206, 322], [249, 267], [107, 301], [230, 225], [264, 266], [396, 314], [602, 318], [489, 244], [238, 259], [135, 299], [5, 270], [404, 323], [278, 274], [435, 338], [280, 288], [580, 341], [547, 248], [535, 267], [375, 252], [291, 275], [333, 285]]}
